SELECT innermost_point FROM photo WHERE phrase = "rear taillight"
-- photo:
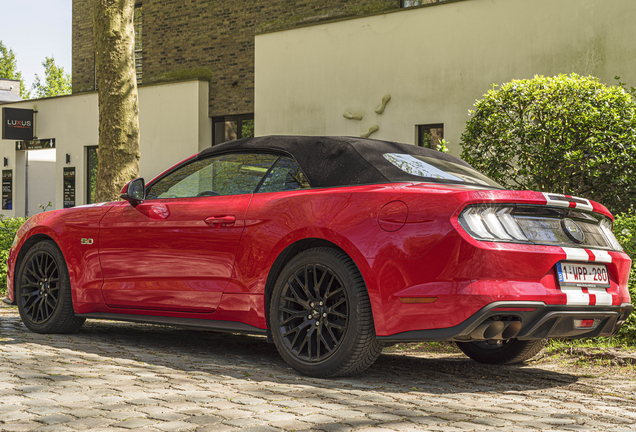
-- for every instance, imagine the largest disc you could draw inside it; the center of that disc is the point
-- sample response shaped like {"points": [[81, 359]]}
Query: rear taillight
{"points": [[538, 225]]}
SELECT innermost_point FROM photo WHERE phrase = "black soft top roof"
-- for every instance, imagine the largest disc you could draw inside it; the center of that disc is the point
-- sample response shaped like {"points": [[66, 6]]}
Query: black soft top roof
{"points": [[337, 161]]}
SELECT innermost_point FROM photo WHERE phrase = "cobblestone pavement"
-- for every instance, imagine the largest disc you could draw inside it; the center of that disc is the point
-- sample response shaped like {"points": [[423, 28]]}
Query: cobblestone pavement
{"points": [[119, 377]]}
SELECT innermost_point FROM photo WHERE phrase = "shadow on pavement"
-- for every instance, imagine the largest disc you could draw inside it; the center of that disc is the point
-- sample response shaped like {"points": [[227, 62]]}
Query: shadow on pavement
{"points": [[251, 357]]}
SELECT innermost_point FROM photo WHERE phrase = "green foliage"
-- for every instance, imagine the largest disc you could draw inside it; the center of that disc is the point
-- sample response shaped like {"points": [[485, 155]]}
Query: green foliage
{"points": [[566, 134], [8, 228], [9, 69], [443, 146], [56, 81], [625, 232]]}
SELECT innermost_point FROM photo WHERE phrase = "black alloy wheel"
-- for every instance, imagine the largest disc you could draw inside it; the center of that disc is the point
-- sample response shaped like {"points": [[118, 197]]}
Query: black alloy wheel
{"points": [[43, 291], [313, 312], [40, 287], [320, 315]]}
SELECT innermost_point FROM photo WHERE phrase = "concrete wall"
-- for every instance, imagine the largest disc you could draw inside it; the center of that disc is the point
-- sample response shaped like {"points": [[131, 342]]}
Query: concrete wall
{"points": [[173, 125], [434, 61]]}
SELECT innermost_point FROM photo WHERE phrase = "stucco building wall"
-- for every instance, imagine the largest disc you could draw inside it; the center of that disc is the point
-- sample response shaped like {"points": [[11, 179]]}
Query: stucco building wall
{"points": [[434, 61]]}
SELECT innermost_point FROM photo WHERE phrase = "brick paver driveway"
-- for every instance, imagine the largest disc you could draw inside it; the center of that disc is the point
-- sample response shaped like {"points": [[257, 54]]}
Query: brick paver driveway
{"points": [[118, 376]]}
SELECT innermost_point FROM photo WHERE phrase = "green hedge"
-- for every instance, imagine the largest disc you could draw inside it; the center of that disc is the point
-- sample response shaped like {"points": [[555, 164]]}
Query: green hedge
{"points": [[8, 228]]}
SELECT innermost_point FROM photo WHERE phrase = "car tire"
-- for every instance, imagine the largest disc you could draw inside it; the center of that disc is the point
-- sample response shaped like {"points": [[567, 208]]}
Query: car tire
{"points": [[320, 315], [507, 352], [43, 291]]}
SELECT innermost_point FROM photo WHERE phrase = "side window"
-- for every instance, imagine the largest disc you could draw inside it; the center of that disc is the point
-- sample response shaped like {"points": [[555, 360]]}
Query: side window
{"points": [[228, 174], [284, 176]]}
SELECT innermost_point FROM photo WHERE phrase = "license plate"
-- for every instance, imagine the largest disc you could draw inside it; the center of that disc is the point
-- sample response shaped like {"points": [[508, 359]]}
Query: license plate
{"points": [[583, 275]]}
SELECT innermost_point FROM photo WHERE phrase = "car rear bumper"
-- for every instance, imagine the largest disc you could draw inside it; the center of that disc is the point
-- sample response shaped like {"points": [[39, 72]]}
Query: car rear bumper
{"points": [[525, 320]]}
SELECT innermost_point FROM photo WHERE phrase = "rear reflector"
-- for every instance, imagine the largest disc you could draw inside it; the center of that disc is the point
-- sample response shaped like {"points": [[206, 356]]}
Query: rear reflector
{"points": [[586, 323], [418, 299]]}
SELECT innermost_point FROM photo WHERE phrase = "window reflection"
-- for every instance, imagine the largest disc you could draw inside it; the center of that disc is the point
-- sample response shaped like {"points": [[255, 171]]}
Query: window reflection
{"points": [[229, 174], [285, 176]]}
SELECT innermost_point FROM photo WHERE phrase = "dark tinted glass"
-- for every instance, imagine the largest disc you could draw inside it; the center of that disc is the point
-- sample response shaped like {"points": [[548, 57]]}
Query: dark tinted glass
{"points": [[229, 174], [285, 176]]}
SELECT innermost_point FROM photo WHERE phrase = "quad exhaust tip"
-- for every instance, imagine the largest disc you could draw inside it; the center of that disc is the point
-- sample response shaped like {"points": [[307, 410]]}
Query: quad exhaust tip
{"points": [[496, 330]]}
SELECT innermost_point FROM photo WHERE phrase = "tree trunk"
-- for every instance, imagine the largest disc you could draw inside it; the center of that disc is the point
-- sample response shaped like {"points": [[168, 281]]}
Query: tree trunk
{"points": [[118, 151]]}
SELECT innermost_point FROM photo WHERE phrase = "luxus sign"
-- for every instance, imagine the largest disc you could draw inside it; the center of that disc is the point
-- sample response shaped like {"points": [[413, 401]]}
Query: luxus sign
{"points": [[17, 124]]}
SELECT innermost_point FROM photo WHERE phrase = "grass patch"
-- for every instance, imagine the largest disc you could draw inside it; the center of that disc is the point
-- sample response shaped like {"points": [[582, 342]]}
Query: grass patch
{"points": [[424, 347]]}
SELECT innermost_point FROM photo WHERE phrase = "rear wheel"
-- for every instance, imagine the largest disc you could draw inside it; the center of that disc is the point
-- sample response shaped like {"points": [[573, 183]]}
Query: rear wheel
{"points": [[44, 291], [502, 352], [320, 315]]}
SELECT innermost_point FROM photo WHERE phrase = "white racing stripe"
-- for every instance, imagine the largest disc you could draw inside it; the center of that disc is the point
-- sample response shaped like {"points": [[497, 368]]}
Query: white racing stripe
{"points": [[574, 254], [563, 201], [575, 295], [601, 256], [602, 297]]}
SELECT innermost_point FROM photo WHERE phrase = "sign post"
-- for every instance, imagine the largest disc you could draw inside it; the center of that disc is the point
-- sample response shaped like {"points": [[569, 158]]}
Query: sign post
{"points": [[39, 144], [17, 123]]}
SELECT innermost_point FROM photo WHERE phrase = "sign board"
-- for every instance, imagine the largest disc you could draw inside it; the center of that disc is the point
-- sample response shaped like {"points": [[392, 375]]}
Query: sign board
{"points": [[17, 123], [39, 144], [69, 187], [7, 190]]}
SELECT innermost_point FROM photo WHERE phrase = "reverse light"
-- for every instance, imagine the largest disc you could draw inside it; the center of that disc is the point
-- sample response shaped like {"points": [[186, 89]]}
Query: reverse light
{"points": [[475, 223]]}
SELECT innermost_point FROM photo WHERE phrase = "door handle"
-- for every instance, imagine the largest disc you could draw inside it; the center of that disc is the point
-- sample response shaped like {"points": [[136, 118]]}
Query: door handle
{"points": [[219, 221]]}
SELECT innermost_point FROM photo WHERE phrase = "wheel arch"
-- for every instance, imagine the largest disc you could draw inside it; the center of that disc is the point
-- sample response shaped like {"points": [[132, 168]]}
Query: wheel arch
{"points": [[301, 245], [28, 244], [284, 257]]}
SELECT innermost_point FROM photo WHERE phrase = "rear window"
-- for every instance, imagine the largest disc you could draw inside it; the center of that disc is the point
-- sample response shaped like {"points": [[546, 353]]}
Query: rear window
{"points": [[429, 168]]}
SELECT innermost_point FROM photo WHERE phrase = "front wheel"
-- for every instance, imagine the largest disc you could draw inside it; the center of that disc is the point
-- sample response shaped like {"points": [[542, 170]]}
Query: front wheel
{"points": [[44, 291], [502, 352], [320, 315]]}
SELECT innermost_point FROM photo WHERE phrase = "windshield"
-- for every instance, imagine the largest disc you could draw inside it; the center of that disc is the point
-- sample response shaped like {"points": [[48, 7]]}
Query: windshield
{"points": [[437, 169]]}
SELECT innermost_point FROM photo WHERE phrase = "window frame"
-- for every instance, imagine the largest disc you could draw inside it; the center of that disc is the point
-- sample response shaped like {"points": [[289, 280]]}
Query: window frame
{"points": [[427, 127], [239, 118]]}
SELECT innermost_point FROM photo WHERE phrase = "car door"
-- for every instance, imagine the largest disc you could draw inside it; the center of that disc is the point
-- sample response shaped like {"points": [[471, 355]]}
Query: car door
{"points": [[175, 251]]}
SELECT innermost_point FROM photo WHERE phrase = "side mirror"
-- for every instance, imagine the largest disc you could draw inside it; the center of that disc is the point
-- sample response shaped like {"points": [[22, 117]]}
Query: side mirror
{"points": [[134, 191]]}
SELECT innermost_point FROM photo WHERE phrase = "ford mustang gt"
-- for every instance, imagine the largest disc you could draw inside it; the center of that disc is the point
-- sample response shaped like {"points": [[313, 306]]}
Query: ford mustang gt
{"points": [[331, 247]]}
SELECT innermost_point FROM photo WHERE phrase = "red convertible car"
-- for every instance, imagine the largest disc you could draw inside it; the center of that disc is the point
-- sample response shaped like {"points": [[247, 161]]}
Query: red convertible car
{"points": [[331, 247]]}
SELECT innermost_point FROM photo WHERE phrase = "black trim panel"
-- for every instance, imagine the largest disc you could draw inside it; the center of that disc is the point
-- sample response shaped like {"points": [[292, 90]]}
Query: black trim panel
{"points": [[545, 321], [193, 323]]}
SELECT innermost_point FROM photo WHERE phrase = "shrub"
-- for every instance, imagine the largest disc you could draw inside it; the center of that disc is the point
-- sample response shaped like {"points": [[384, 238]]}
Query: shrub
{"points": [[565, 134], [625, 232], [8, 228]]}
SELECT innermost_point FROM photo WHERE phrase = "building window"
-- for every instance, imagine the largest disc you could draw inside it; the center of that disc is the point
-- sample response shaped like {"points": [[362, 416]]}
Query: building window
{"points": [[137, 20], [230, 128], [430, 136], [91, 173]]}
